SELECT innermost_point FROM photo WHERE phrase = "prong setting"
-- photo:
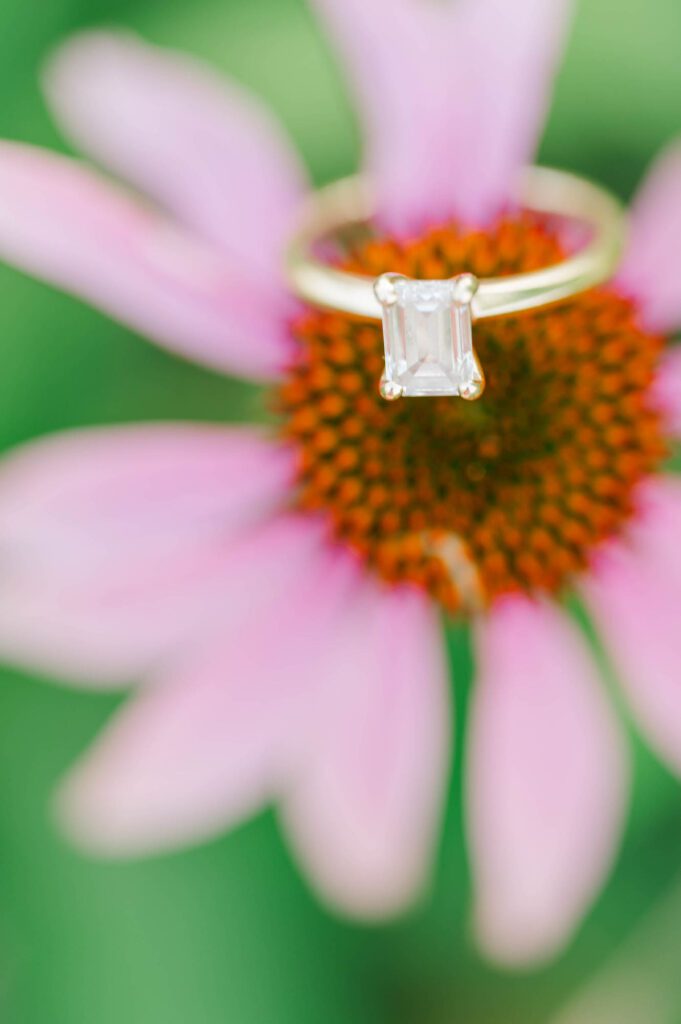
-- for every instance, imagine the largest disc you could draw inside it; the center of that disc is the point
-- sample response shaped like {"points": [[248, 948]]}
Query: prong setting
{"points": [[389, 390], [464, 290], [473, 389], [385, 290]]}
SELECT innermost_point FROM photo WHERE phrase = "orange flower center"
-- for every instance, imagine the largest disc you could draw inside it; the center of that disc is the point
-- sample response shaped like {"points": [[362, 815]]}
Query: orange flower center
{"points": [[473, 500]]}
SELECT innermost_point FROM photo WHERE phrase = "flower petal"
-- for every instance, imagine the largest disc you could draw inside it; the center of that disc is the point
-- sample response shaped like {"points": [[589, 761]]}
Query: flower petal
{"points": [[364, 816], [71, 228], [546, 782], [199, 144], [634, 594], [650, 268], [220, 736], [119, 546], [667, 390], [453, 96]]}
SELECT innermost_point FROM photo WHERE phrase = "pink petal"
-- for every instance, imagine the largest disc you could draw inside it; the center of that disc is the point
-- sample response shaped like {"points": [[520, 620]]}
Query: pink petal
{"points": [[202, 146], [634, 593], [454, 97], [221, 735], [654, 534], [667, 390], [119, 546], [364, 816], [547, 782], [71, 228], [650, 268]]}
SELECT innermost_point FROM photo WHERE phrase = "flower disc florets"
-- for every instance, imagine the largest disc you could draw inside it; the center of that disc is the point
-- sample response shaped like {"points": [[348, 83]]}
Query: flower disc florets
{"points": [[473, 500]]}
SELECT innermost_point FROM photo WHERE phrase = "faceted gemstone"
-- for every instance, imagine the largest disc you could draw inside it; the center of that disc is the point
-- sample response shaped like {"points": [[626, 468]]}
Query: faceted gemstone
{"points": [[428, 335]]}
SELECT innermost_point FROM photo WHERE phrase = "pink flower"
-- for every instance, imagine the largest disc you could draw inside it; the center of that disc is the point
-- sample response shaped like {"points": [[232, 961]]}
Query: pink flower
{"points": [[277, 665]]}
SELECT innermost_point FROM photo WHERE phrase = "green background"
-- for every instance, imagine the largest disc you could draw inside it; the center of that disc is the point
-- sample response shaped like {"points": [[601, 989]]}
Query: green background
{"points": [[228, 932]]}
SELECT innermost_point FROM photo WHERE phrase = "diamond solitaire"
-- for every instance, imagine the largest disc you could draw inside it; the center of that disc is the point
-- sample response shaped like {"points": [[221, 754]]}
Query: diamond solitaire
{"points": [[428, 336]]}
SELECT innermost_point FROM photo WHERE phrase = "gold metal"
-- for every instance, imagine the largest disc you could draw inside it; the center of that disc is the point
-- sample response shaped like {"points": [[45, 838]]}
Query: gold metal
{"points": [[542, 190], [473, 391], [389, 390]]}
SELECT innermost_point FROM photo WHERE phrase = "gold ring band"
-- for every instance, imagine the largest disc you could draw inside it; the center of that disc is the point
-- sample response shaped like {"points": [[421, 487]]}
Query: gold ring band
{"points": [[545, 191]]}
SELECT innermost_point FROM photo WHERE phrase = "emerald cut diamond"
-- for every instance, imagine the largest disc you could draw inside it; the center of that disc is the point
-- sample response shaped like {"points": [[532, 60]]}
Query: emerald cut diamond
{"points": [[428, 336]]}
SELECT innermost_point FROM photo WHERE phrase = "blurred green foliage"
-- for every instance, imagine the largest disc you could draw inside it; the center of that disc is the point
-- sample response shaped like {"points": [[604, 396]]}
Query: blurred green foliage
{"points": [[228, 932]]}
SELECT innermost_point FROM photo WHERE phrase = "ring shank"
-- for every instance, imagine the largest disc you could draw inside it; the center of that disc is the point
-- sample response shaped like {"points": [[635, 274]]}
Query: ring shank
{"points": [[542, 190]]}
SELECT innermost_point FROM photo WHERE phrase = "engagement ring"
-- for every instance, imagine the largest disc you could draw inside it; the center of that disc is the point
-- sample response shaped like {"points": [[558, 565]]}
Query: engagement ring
{"points": [[428, 324]]}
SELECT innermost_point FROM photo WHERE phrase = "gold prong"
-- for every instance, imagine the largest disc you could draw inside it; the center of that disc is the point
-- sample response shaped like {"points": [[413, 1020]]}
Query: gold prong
{"points": [[474, 388], [389, 390], [384, 288], [465, 289]]}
